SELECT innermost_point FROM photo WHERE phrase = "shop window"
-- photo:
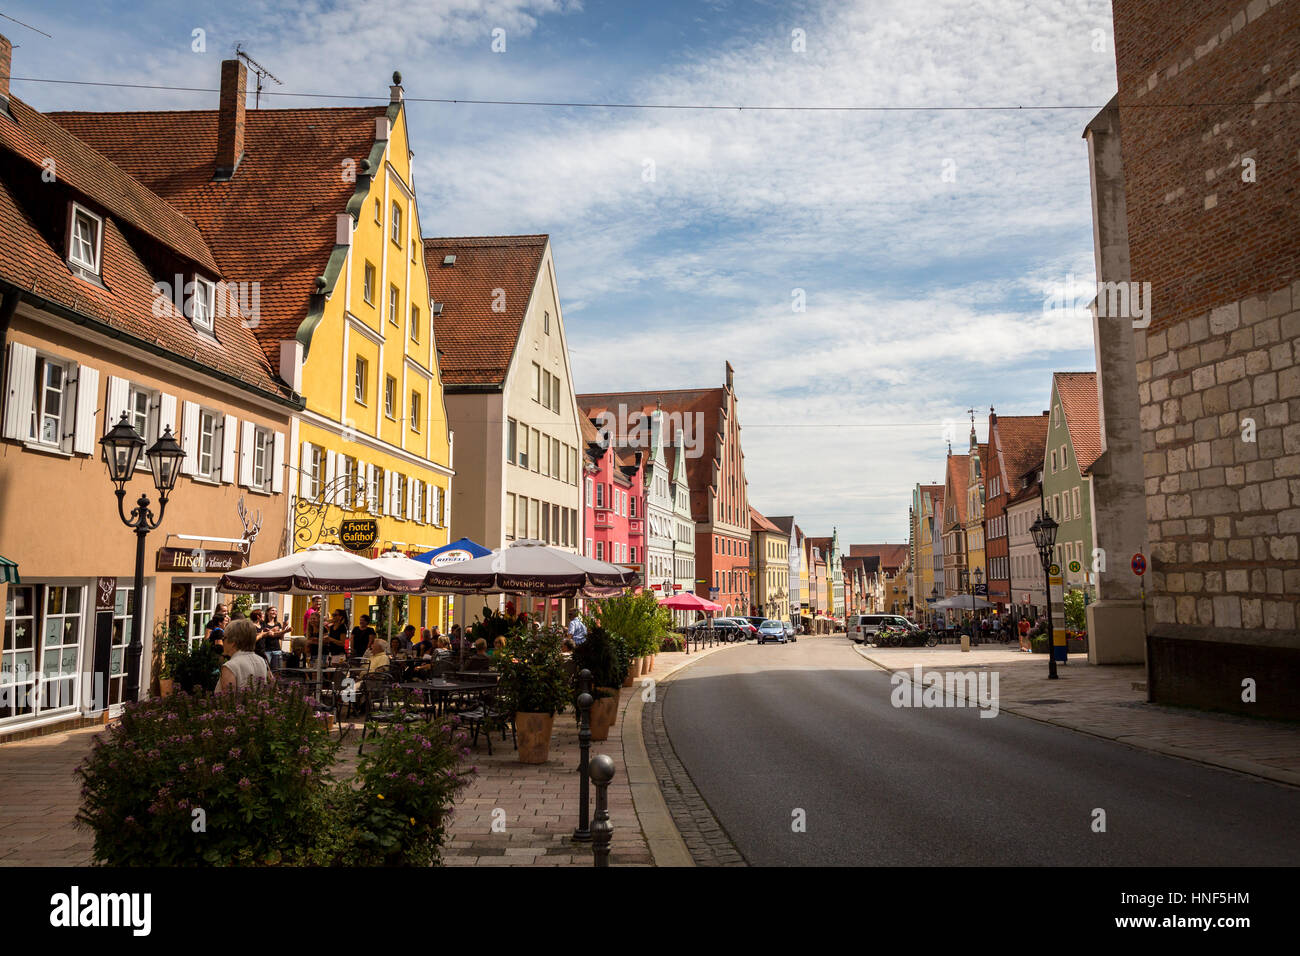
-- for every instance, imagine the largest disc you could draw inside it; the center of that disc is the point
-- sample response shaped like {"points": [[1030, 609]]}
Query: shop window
{"points": [[203, 601]]}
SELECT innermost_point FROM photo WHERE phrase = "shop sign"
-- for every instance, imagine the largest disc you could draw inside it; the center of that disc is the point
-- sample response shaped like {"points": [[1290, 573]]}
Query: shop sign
{"points": [[200, 560], [358, 534]]}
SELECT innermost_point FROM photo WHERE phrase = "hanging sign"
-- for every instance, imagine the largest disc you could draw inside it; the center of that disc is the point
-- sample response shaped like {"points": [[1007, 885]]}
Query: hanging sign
{"points": [[358, 534]]}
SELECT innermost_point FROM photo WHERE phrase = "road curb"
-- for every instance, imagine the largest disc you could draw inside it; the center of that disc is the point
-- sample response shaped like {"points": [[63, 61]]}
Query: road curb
{"points": [[667, 848], [1248, 767]]}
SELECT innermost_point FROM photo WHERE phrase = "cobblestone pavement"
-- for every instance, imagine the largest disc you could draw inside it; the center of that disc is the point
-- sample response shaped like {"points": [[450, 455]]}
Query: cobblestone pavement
{"points": [[1104, 701], [708, 843]]}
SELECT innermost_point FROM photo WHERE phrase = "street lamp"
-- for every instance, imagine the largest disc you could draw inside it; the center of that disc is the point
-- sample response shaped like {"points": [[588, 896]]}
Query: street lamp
{"points": [[1043, 531], [120, 450], [979, 580]]}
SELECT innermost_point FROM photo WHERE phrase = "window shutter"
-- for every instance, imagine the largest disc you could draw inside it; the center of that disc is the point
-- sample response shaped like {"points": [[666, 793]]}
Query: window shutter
{"points": [[83, 431], [229, 432], [190, 438], [329, 494], [119, 397], [277, 462], [166, 414], [387, 505], [410, 500], [370, 485], [446, 510], [304, 471], [431, 503], [21, 391], [246, 439]]}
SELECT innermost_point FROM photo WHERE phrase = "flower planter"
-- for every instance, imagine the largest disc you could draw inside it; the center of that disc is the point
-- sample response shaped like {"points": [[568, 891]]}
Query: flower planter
{"points": [[166, 686], [604, 711], [652, 662], [645, 665], [633, 672], [534, 735]]}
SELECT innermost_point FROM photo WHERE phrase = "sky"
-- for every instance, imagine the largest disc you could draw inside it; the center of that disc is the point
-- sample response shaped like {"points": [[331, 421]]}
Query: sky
{"points": [[871, 275]]}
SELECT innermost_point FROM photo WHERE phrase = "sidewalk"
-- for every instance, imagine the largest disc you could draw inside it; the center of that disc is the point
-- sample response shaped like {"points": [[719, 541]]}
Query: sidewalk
{"points": [[39, 797], [1102, 701]]}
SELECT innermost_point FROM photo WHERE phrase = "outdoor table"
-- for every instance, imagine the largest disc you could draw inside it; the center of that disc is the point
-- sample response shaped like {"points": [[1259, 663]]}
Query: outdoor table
{"points": [[440, 690]]}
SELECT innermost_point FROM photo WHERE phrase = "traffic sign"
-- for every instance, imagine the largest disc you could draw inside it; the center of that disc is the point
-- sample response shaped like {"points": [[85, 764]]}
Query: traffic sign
{"points": [[1139, 564], [1075, 567], [1054, 570]]}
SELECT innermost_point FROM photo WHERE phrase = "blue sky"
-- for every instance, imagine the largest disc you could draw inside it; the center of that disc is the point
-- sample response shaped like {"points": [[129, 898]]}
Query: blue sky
{"points": [[924, 292]]}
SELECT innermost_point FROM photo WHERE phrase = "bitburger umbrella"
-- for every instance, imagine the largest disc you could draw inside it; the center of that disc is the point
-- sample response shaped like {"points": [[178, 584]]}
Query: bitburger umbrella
{"points": [[531, 567]]}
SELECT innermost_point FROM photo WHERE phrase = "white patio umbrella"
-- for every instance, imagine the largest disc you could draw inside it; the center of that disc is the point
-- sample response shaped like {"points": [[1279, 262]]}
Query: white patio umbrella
{"points": [[321, 569], [394, 562]]}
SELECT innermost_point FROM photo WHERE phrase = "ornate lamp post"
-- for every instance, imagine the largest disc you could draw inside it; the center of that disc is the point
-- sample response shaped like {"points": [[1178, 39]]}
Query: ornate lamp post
{"points": [[979, 580], [1043, 531], [121, 449]]}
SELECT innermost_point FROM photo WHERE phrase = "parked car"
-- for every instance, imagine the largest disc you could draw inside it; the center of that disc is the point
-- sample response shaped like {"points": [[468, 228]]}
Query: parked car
{"points": [[727, 629], [862, 628], [749, 628], [789, 631], [771, 630]]}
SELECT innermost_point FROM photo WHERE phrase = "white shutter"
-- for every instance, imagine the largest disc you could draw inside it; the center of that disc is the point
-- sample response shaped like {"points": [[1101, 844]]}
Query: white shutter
{"points": [[329, 493], [190, 438], [411, 484], [304, 471], [430, 502], [390, 492], [21, 391], [343, 497], [246, 440], [166, 414], [277, 463], [83, 431], [119, 398], [446, 509], [370, 485], [229, 432]]}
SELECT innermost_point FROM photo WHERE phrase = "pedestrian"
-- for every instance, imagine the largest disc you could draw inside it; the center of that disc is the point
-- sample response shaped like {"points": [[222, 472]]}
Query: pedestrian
{"points": [[244, 668], [1024, 634], [577, 630], [218, 614], [311, 620], [217, 629], [404, 640]]}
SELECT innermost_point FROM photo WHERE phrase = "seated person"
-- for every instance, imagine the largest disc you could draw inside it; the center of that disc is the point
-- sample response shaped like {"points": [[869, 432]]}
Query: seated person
{"points": [[426, 646], [404, 641], [480, 661], [498, 646], [377, 656], [443, 650], [297, 656], [243, 668]]}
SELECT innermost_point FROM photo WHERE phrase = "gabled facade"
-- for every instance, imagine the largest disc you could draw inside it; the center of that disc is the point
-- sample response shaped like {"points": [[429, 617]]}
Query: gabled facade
{"points": [[679, 488], [1072, 444], [709, 422], [770, 546], [342, 301], [956, 499], [1015, 445], [509, 390], [1028, 586], [660, 523], [924, 499], [973, 525], [614, 500]]}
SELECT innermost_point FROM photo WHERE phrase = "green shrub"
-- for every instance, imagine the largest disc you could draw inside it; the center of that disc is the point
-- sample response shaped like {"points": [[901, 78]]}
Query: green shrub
{"points": [[535, 677], [1076, 613], [196, 668], [605, 655], [638, 618], [208, 779]]}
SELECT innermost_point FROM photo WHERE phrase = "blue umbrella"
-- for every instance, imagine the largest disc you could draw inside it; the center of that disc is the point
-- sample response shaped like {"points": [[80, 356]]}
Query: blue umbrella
{"points": [[471, 549]]}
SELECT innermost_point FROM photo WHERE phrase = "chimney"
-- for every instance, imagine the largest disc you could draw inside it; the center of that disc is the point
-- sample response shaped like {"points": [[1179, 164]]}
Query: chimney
{"points": [[6, 67], [230, 118]]}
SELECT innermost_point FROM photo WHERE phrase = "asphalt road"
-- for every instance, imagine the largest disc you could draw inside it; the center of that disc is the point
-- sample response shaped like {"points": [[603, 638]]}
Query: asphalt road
{"points": [[768, 731]]}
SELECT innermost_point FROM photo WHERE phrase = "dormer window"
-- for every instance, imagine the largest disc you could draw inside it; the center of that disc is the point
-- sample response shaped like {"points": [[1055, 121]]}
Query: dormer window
{"points": [[203, 304], [85, 239]]}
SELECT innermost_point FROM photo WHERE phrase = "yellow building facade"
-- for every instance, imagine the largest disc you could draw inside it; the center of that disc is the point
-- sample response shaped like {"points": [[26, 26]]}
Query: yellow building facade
{"points": [[373, 440]]}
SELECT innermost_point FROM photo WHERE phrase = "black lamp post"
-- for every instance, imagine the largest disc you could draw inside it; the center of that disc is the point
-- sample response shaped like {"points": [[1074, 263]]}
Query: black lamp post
{"points": [[974, 586], [121, 449], [1043, 531]]}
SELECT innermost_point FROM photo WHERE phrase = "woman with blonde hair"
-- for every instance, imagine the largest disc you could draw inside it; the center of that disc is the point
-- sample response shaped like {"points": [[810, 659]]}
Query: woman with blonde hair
{"points": [[244, 667]]}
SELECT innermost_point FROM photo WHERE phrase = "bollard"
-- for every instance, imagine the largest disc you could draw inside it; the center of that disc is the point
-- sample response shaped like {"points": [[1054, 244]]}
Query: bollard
{"points": [[602, 772], [583, 831]]}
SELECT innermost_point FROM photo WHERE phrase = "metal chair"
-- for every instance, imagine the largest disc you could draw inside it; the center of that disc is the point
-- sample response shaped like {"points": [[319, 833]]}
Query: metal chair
{"points": [[384, 706], [486, 713]]}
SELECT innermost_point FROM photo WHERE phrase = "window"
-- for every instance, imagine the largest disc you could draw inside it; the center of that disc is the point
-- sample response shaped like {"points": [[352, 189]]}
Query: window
{"points": [[555, 393], [1053, 461], [375, 490], [315, 471], [390, 396], [632, 509], [1074, 496], [359, 380], [202, 304], [415, 411], [537, 382], [140, 404], [633, 555], [394, 303], [85, 239], [415, 324], [1065, 461], [399, 496], [536, 439], [546, 523], [51, 402], [534, 529], [417, 500], [586, 547], [521, 518], [396, 229], [262, 440], [600, 494], [546, 456], [348, 472], [555, 458], [510, 516], [587, 495], [600, 550], [368, 287], [511, 449], [522, 439], [546, 322], [207, 464], [573, 466], [555, 524], [379, 213]]}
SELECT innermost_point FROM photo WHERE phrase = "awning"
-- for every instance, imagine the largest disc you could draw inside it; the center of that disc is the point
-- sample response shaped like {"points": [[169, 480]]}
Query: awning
{"points": [[9, 571]]}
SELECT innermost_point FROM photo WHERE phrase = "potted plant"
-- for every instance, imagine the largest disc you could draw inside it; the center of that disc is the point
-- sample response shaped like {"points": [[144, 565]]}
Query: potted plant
{"points": [[169, 645], [640, 621], [536, 686], [607, 658]]}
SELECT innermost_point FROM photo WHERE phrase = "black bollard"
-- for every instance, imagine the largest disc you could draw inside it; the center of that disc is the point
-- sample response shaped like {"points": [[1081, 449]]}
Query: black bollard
{"points": [[583, 831], [602, 772]]}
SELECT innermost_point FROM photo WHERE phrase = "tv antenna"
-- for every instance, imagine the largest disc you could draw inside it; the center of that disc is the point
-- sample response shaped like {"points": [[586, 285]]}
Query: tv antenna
{"points": [[261, 72]]}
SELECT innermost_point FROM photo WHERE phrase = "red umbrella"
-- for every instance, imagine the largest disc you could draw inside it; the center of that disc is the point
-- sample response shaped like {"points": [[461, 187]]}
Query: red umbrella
{"points": [[688, 601]]}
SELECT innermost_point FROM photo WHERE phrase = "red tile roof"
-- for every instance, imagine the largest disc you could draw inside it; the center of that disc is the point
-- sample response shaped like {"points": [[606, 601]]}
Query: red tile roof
{"points": [[32, 255], [1078, 391], [758, 523], [1020, 441], [476, 342], [890, 555], [273, 222]]}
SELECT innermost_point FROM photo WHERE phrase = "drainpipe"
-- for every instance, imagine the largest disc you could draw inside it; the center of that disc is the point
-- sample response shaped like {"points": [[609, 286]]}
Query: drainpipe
{"points": [[8, 305]]}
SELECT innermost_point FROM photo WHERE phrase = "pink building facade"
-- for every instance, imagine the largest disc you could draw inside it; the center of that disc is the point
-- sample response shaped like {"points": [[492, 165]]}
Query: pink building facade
{"points": [[613, 502]]}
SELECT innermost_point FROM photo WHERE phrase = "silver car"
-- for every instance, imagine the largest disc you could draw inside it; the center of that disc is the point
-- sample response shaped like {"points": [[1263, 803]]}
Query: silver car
{"points": [[771, 631]]}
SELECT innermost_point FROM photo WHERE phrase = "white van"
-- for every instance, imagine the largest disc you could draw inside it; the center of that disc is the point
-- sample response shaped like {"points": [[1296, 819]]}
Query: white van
{"points": [[863, 627]]}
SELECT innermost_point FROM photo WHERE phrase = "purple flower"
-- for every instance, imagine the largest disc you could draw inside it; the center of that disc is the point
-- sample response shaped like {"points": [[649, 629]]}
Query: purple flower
{"points": [[306, 771], [412, 777], [130, 820], [234, 753], [304, 750], [244, 783], [207, 732], [218, 767], [182, 804]]}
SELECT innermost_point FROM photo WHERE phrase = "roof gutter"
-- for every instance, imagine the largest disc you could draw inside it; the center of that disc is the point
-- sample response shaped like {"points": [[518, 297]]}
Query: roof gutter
{"points": [[296, 403]]}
